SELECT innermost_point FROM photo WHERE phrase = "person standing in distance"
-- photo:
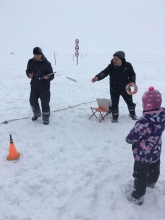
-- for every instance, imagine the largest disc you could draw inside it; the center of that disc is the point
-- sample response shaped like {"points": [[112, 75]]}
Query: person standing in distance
{"points": [[121, 73], [38, 69]]}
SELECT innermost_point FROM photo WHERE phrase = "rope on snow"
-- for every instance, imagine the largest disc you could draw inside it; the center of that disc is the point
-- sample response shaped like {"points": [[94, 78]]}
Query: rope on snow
{"points": [[63, 109]]}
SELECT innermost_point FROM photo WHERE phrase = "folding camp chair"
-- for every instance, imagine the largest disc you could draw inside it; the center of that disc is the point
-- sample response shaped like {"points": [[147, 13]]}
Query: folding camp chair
{"points": [[104, 106]]}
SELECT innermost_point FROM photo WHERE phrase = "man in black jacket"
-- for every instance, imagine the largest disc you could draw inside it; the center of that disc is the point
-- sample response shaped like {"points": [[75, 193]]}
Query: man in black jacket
{"points": [[38, 69], [121, 73]]}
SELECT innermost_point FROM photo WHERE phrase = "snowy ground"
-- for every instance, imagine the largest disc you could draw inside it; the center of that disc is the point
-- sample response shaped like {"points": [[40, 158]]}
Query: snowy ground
{"points": [[74, 168]]}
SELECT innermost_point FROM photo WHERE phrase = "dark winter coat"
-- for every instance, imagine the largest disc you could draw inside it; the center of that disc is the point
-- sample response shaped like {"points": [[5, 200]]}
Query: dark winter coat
{"points": [[146, 136], [39, 70], [119, 76]]}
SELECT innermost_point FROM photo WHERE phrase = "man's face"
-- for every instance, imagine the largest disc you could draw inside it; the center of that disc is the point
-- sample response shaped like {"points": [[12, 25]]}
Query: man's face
{"points": [[117, 61], [37, 57]]}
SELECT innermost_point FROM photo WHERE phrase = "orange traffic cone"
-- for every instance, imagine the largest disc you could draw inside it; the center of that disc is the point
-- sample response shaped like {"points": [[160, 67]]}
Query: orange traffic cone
{"points": [[13, 154]]}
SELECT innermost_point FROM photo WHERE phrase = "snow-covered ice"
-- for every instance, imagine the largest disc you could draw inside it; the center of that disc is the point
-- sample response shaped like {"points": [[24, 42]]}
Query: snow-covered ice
{"points": [[75, 168]]}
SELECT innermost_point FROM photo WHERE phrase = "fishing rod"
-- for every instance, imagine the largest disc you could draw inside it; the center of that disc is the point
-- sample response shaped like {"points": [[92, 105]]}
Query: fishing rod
{"points": [[47, 75]]}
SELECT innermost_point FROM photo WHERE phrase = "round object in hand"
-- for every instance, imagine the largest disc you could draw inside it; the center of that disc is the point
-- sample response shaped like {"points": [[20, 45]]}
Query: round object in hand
{"points": [[128, 88]]}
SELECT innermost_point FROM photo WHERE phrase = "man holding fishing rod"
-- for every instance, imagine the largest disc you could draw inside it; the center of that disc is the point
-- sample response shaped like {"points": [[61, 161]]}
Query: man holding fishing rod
{"points": [[40, 71]]}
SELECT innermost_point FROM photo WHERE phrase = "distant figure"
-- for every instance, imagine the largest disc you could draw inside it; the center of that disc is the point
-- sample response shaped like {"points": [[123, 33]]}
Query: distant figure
{"points": [[146, 141], [121, 73], [37, 69]]}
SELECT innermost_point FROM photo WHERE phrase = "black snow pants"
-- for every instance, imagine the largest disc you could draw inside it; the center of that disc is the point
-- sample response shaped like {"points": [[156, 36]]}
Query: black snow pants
{"points": [[115, 96], [144, 174], [44, 96]]}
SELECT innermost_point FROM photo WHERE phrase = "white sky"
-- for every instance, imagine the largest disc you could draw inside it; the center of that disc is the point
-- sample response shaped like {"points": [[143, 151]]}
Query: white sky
{"points": [[102, 26]]}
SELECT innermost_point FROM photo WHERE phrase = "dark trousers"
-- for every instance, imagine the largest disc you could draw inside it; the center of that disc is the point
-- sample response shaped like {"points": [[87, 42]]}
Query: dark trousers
{"points": [[44, 96], [143, 174], [115, 96]]}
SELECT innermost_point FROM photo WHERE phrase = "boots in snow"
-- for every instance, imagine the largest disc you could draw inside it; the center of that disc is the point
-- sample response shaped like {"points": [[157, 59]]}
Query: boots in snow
{"points": [[137, 201]]}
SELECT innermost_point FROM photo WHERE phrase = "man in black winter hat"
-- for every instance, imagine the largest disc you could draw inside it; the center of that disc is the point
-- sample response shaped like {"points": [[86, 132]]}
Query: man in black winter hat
{"points": [[120, 74], [120, 55], [38, 69], [37, 50]]}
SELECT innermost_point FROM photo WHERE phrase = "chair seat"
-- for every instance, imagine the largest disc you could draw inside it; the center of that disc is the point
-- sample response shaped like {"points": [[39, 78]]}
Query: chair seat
{"points": [[99, 109]]}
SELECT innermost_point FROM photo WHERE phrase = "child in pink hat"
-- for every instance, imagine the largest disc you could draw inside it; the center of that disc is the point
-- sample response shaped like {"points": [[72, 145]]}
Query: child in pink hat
{"points": [[151, 99], [146, 141]]}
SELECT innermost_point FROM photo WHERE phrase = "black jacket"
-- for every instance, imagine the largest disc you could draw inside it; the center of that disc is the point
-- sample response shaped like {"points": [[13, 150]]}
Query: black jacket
{"points": [[40, 69], [119, 76]]}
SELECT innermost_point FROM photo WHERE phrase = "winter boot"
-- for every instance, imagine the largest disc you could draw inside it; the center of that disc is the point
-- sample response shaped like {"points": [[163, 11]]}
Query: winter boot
{"points": [[133, 116], [132, 113], [45, 117], [137, 201], [36, 112], [46, 122], [114, 120], [34, 118], [115, 115]]}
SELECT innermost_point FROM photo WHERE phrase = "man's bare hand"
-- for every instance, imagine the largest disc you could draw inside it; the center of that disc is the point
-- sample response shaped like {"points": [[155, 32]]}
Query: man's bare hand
{"points": [[46, 77], [31, 75], [94, 79]]}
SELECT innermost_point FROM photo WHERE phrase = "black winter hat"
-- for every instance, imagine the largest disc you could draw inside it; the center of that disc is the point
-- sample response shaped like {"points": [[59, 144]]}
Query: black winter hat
{"points": [[120, 54], [37, 50]]}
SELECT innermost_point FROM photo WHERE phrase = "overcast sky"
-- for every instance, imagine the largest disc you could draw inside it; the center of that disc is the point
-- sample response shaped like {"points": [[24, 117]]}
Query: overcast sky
{"points": [[102, 26]]}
